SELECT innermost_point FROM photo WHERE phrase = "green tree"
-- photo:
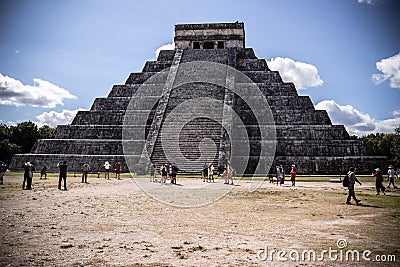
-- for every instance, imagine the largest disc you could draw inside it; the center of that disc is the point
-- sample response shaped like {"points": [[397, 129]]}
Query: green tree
{"points": [[387, 145], [46, 132], [24, 135]]}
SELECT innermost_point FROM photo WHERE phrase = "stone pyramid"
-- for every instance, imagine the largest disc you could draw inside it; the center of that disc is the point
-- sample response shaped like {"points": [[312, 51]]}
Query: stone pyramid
{"points": [[132, 124]]}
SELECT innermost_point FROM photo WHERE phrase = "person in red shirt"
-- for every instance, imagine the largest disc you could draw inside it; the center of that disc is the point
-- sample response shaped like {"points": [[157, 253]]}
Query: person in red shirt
{"points": [[378, 181], [293, 173], [117, 167]]}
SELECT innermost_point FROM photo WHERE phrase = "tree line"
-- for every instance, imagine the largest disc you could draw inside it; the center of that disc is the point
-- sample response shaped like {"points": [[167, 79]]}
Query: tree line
{"points": [[22, 137]]}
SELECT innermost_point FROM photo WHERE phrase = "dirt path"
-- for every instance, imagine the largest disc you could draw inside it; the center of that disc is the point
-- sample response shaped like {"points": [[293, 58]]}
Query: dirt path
{"points": [[113, 223]]}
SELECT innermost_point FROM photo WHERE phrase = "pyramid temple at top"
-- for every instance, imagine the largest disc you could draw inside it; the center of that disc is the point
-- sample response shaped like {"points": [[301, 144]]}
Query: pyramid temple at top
{"points": [[140, 107]]}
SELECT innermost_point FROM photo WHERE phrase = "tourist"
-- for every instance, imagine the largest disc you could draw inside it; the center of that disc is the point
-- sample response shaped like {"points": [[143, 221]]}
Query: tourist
{"points": [[3, 169], [169, 168], [278, 175], [225, 173], [43, 172], [107, 167], [174, 172], [293, 173], [353, 179], [85, 172], [63, 174], [164, 173], [152, 172], [231, 173], [391, 174], [117, 168], [205, 172], [378, 181], [28, 175], [210, 172]]}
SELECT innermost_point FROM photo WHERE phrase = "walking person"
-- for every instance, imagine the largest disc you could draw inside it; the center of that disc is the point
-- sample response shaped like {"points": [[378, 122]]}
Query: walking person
{"points": [[379, 181], [63, 174], [107, 167], [117, 168], [85, 172], [293, 174], [3, 169], [391, 174], [352, 181]]}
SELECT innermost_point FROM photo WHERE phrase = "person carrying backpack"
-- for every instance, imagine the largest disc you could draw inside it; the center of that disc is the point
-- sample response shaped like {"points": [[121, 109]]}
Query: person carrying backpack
{"points": [[352, 180]]}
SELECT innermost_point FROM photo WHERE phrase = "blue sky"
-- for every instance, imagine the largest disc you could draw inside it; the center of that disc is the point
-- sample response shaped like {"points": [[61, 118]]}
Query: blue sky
{"points": [[57, 56]]}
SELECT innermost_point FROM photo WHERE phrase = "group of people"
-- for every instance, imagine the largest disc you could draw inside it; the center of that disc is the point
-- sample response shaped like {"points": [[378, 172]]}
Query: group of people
{"points": [[208, 172], [166, 170], [117, 168], [227, 173], [29, 169], [392, 174], [280, 175]]}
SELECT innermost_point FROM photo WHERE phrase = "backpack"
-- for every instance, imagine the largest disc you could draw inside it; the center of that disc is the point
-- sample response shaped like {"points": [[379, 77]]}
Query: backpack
{"points": [[346, 180]]}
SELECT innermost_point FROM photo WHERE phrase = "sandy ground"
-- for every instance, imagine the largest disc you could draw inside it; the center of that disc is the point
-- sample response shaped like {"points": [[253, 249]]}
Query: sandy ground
{"points": [[114, 223]]}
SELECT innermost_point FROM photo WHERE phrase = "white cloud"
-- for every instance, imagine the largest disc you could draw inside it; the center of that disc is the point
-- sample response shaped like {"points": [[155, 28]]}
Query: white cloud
{"points": [[40, 94], [355, 121], [170, 46], [369, 2], [303, 75], [53, 118], [390, 68]]}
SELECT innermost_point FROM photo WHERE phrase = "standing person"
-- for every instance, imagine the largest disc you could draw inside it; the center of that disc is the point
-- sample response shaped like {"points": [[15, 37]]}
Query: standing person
{"points": [[169, 169], [231, 173], [293, 173], [117, 168], [152, 173], [107, 167], [205, 172], [174, 172], [352, 179], [391, 174], [378, 181], [210, 172], [278, 175], [283, 174], [63, 174], [43, 172], [28, 174], [85, 172], [164, 173], [3, 169]]}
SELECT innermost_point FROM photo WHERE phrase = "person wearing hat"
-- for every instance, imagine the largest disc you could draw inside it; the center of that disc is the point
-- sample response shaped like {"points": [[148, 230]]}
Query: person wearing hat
{"points": [[293, 173], [391, 173], [353, 179], [378, 181]]}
